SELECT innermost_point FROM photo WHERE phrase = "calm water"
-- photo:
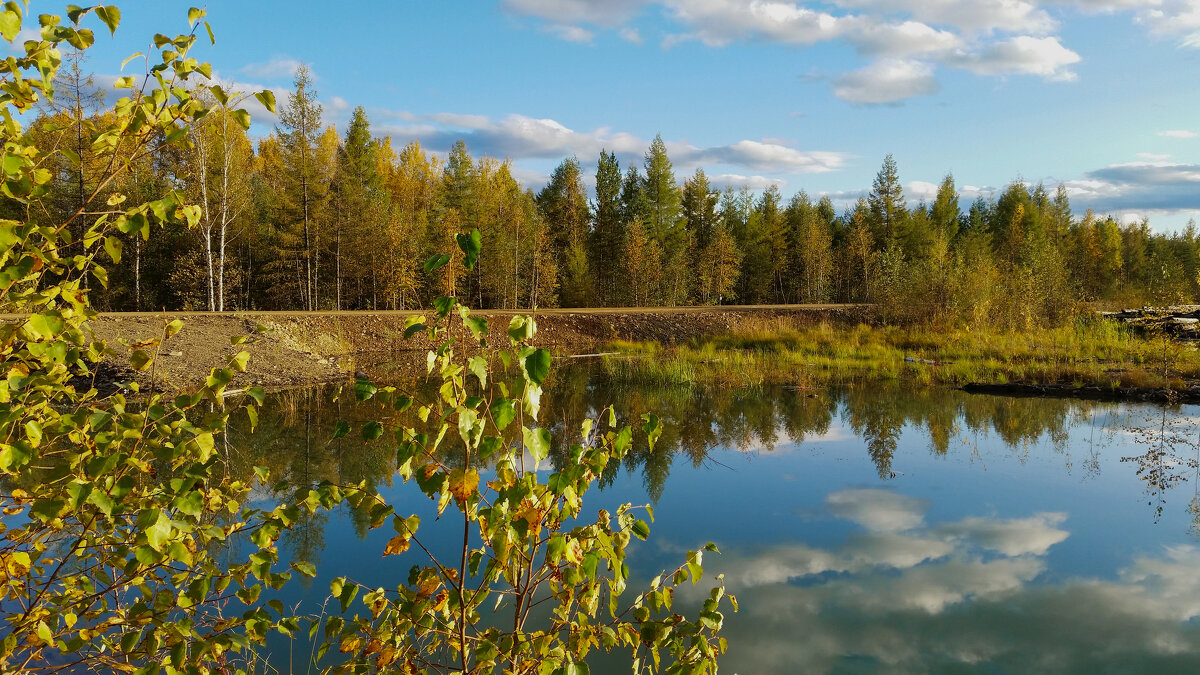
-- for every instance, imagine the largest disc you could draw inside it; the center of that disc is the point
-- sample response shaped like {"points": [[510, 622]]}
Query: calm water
{"points": [[863, 529]]}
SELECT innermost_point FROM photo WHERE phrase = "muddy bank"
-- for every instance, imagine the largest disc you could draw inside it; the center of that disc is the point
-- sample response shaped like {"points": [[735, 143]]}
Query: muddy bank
{"points": [[312, 347], [1091, 393]]}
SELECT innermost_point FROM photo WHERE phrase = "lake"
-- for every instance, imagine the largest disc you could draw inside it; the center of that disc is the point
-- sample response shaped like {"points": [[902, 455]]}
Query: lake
{"points": [[864, 528]]}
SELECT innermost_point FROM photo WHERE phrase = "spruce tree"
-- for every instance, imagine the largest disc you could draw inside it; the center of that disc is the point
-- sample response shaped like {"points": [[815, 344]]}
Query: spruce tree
{"points": [[608, 235]]}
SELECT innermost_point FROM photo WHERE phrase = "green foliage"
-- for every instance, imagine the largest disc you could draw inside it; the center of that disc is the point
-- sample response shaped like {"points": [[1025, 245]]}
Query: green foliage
{"points": [[117, 511], [524, 541]]}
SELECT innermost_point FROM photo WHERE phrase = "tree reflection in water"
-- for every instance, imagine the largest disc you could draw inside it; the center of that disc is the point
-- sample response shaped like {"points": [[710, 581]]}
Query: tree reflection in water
{"points": [[295, 426]]}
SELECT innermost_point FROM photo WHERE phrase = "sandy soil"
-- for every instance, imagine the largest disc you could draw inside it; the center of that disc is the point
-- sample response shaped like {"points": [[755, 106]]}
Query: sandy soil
{"points": [[310, 347]]}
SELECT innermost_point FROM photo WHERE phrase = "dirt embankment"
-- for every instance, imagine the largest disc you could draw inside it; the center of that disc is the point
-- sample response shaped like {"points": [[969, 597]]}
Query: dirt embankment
{"points": [[311, 347]]}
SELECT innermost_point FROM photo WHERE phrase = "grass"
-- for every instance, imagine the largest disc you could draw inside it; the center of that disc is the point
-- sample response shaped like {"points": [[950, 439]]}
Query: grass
{"points": [[1089, 351]]}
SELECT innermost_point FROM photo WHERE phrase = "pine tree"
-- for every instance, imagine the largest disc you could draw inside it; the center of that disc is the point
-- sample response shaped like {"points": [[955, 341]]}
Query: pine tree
{"points": [[303, 191], [886, 200]]}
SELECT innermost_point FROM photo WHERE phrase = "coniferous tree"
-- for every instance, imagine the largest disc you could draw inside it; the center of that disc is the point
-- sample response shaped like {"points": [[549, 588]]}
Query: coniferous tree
{"points": [[564, 208], [886, 202], [303, 192], [608, 234]]}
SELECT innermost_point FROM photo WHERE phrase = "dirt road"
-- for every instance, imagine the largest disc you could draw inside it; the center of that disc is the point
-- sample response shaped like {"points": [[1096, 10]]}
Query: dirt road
{"points": [[306, 347]]}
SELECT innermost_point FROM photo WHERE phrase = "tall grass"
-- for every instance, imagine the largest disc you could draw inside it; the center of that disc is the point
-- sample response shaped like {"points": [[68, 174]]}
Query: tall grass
{"points": [[1086, 351]]}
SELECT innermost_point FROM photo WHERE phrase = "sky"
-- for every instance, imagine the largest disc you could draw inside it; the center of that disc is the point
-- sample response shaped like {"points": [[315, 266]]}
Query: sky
{"points": [[1101, 96]]}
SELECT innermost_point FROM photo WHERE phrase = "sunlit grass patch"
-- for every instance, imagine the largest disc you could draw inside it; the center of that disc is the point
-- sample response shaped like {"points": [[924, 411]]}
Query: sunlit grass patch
{"points": [[1089, 350]]}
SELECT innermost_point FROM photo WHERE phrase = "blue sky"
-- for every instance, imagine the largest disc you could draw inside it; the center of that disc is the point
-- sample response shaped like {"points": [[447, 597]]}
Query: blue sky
{"points": [[1100, 95]]}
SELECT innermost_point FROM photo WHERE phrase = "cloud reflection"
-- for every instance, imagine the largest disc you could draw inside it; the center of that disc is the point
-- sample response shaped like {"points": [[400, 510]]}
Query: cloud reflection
{"points": [[906, 596]]}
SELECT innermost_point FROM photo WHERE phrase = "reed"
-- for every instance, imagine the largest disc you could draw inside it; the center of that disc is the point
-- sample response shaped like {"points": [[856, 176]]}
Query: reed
{"points": [[1087, 351]]}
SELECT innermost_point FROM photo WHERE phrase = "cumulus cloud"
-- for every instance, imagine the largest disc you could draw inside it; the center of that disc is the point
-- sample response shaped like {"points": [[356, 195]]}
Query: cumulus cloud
{"points": [[886, 81], [1177, 133], [521, 137], [1143, 187], [908, 39], [1044, 57], [979, 16]]}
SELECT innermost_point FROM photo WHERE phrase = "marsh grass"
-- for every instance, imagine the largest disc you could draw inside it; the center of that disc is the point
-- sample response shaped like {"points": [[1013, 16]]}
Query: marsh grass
{"points": [[1087, 351]]}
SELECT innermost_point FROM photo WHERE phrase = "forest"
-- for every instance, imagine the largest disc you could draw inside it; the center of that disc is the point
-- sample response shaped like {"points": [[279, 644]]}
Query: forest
{"points": [[311, 218]]}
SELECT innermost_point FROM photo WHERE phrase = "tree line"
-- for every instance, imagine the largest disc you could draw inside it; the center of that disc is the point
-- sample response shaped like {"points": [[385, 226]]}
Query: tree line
{"points": [[313, 218]]}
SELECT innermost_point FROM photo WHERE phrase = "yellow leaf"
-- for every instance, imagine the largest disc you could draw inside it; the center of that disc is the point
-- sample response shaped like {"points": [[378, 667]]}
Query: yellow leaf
{"points": [[463, 484], [398, 544]]}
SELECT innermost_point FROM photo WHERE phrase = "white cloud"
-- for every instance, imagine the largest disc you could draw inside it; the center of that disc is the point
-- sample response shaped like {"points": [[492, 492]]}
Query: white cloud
{"points": [[572, 33], [277, 68], [720, 22], [1034, 535], [1025, 55], [521, 137], [737, 181], [1153, 156], [886, 81], [630, 35], [570, 12], [924, 600], [877, 510], [977, 16], [1177, 133], [910, 38]]}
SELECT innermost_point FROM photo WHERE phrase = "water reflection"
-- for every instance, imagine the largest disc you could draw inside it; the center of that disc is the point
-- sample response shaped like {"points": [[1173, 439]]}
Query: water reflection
{"points": [[293, 438], [903, 594], [865, 529]]}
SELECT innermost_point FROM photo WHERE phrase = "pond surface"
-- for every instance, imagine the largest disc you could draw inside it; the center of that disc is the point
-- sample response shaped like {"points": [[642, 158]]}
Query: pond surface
{"points": [[865, 528]]}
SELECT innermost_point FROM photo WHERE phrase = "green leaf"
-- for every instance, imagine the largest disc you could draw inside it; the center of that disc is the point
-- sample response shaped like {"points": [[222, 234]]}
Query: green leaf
{"points": [[477, 326], [640, 529], [157, 533], [111, 16], [238, 361], [305, 568], [652, 428], [257, 394], [522, 328], [413, 330], [10, 24], [435, 262], [172, 329], [537, 365], [444, 305], [267, 98], [341, 428], [46, 326], [623, 440], [478, 366], [471, 244], [363, 389], [538, 443], [113, 247], [372, 430], [242, 118], [503, 412], [194, 15], [140, 360]]}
